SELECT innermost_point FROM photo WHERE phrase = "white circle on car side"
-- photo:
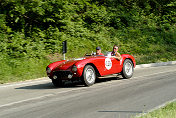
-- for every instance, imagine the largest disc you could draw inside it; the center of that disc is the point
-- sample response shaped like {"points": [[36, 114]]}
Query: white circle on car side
{"points": [[108, 63]]}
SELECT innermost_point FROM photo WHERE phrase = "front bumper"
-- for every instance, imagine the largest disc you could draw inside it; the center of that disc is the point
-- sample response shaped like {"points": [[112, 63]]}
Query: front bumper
{"points": [[63, 75]]}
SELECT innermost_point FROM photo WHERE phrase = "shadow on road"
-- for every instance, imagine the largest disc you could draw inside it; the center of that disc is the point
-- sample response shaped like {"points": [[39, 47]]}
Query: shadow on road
{"points": [[69, 84], [123, 111], [50, 86], [38, 86], [106, 79]]}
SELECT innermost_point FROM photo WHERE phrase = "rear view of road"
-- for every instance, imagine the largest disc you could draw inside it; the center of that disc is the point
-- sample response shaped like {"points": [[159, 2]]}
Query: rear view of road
{"points": [[114, 98]]}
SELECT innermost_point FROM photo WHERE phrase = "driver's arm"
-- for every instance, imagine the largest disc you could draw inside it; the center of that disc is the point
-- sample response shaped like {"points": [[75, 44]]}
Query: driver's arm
{"points": [[118, 56]]}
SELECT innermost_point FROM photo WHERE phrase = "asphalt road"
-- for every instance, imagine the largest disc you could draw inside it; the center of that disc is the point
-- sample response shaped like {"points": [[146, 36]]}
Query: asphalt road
{"points": [[112, 97]]}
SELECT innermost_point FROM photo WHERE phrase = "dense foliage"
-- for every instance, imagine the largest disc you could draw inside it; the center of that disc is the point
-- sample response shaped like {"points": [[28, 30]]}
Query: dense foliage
{"points": [[32, 30]]}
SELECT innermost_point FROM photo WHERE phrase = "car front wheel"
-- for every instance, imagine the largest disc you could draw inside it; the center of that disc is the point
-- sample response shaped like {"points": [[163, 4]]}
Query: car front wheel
{"points": [[128, 69], [89, 75]]}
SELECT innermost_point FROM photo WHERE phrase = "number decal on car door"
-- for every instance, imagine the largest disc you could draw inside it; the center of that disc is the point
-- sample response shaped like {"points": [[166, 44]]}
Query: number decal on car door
{"points": [[108, 63]]}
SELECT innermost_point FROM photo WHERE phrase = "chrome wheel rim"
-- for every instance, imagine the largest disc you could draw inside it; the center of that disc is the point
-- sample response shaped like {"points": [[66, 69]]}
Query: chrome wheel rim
{"points": [[128, 68], [90, 75]]}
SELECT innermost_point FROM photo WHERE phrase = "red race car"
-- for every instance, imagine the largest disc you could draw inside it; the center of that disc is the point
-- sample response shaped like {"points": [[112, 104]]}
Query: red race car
{"points": [[88, 68]]}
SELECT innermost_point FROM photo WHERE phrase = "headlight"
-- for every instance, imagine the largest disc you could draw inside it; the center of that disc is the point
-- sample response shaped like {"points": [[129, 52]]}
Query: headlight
{"points": [[74, 68], [48, 70]]}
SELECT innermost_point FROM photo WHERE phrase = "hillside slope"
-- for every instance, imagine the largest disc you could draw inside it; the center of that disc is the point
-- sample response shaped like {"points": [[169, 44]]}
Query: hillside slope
{"points": [[32, 31]]}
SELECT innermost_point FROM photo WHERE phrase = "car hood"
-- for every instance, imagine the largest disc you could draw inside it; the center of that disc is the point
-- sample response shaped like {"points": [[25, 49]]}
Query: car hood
{"points": [[68, 64]]}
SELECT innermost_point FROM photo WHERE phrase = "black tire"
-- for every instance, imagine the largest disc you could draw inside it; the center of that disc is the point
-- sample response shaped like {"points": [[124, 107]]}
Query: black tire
{"points": [[57, 82], [89, 75], [128, 69]]}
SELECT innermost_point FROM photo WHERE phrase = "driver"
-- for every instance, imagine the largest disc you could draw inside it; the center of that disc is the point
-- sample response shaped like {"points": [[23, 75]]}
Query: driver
{"points": [[116, 53], [98, 51]]}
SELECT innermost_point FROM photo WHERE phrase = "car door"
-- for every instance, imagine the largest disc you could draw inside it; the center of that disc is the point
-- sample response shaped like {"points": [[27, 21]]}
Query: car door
{"points": [[116, 66], [110, 66]]}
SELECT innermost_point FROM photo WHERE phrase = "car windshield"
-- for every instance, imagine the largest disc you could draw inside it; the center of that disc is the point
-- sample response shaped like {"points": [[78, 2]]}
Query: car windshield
{"points": [[106, 53]]}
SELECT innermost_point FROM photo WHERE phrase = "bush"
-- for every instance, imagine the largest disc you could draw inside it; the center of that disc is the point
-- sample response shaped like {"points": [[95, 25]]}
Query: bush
{"points": [[32, 30]]}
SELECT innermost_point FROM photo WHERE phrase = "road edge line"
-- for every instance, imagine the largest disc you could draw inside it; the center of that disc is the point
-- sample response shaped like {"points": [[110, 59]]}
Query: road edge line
{"points": [[43, 78], [155, 64], [156, 108]]}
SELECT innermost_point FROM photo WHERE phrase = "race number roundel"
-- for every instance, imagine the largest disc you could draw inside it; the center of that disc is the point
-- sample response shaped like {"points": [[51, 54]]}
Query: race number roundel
{"points": [[108, 63]]}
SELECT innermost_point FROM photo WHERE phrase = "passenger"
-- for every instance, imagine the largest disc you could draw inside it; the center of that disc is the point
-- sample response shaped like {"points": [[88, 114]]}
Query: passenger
{"points": [[98, 51], [116, 53]]}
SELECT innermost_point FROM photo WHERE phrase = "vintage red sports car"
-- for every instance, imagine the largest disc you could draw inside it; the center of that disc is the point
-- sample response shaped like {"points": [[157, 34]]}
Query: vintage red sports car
{"points": [[89, 68]]}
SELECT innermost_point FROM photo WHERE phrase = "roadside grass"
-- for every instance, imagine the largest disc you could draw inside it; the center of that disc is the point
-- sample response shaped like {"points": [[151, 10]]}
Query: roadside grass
{"points": [[14, 70], [168, 111]]}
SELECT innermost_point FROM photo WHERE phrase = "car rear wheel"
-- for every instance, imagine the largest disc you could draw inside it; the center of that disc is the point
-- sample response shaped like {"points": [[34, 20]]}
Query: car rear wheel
{"points": [[128, 69], [89, 75], [57, 82]]}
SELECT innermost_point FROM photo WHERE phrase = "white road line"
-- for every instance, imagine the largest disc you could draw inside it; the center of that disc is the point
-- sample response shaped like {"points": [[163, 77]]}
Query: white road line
{"points": [[36, 98], [48, 95], [12, 103], [47, 80], [156, 73], [26, 82]]}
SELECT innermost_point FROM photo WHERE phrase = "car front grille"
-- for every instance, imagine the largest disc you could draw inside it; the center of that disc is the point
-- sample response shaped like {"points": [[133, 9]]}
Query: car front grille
{"points": [[62, 74]]}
